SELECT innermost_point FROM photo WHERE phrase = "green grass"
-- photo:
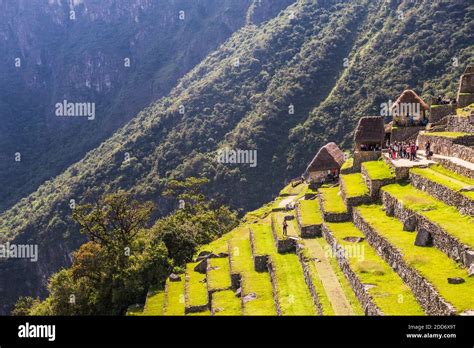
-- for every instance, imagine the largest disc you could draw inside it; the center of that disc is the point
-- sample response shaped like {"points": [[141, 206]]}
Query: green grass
{"points": [[289, 190], [349, 163], [431, 263], [389, 292], [450, 135], [218, 274], [378, 170], [447, 178], [310, 212], [226, 303], [354, 185], [174, 298], [259, 213], [263, 239], [221, 245], [332, 200], [318, 284], [346, 286], [252, 281], [196, 290], [291, 289], [154, 302], [445, 216]]}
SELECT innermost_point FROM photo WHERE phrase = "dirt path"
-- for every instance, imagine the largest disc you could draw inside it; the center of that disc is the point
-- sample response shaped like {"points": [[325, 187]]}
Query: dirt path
{"points": [[331, 284]]}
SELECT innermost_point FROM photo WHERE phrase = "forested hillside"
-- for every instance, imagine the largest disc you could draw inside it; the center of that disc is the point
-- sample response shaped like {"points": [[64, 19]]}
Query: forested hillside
{"points": [[119, 55], [331, 62]]}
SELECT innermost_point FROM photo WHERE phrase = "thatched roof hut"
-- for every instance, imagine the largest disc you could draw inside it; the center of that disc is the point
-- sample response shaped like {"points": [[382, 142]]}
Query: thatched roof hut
{"points": [[370, 130], [407, 100], [329, 157]]}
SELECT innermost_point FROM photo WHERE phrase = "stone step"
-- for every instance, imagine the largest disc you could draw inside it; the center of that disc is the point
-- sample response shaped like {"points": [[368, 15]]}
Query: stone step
{"points": [[378, 288], [447, 186], [332, 205], [436, 222], [426, 270], [308, 217]]}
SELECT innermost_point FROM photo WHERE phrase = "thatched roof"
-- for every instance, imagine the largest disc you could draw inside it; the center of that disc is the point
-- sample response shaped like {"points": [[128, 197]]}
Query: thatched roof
{"points": [[410, 97], [330, 156], [370, 129]]}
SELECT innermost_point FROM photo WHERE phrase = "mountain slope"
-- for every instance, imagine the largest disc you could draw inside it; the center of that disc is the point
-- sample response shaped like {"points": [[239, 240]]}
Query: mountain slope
{"points": [[239, 97], [85, 60]]}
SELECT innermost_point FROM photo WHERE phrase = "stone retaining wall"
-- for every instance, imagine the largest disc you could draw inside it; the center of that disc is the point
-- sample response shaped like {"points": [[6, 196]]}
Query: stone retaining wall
{"points": [[370, 308], [455, 167], [437, 112], [460, 124], [375, 185], [401, 173], [333, 217], [271, 271], [260, 261], [364, 156], [448, 244], [310, 231], [308, 278], [404, 133], [459, 147], [235, 278], [462, 203], [352, 201], [425, 293]]}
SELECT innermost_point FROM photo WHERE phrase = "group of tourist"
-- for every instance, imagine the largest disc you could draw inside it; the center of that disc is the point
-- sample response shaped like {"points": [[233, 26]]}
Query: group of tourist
{"points": [[405, 150]]}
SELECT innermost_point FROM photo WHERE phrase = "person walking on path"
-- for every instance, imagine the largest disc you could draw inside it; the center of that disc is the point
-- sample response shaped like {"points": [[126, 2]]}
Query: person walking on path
{"points": [[428, 150], [285, 228]]}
